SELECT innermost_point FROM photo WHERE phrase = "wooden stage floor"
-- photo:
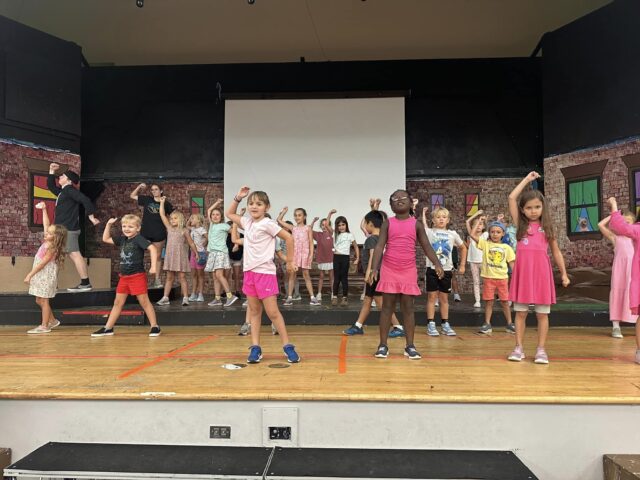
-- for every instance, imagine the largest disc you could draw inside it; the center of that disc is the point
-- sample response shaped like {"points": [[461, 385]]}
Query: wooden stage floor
{"points": [[587, 367]]}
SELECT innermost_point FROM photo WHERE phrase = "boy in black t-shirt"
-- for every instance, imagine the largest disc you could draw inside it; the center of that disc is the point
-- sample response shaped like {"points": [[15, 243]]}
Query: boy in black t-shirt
{"points": [[372, 222], [133, 279]]}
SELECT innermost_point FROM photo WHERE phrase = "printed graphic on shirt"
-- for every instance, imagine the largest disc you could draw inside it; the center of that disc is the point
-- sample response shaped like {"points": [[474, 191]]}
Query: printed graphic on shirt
{"points": [[496, 256]]}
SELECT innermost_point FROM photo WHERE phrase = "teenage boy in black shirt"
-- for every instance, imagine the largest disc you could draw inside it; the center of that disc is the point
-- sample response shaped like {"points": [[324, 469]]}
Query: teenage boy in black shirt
{"points": [[66, 213]]}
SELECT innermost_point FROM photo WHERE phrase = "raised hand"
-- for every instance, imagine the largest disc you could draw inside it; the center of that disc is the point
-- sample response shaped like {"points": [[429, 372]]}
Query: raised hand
{"points": [[315, 219], [284, 211], [333, 211], [532, 176], [41, 205], [163, 199], [94, 220], [500, 217], [425, 210], [243, 192], [142, 185], [54, 167], [111, 221], [372, 203], [613, 204], [415, 202]]}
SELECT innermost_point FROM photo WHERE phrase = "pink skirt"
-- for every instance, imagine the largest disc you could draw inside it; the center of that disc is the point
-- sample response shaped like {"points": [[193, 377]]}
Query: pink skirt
{"points": [[394, 280]]}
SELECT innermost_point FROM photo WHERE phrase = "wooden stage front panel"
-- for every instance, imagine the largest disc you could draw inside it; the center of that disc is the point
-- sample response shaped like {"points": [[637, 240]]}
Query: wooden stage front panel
{"points": [[587, 366]]}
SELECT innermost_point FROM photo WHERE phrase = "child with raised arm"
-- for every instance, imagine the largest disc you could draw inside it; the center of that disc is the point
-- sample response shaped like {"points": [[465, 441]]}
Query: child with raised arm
{"points": [[438, 287], [532, 279], [218, 260], [621, 227], [324, 251], [398, 278], [260, 281], [373, 221], [176, 257], [43, 277], [474, 257], [303, 249], [497, 256], [619, 309], [198, 233], [343, 242], [133, 279]]}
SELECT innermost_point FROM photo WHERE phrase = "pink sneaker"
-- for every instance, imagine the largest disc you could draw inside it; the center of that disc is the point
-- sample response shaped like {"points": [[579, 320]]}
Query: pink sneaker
{"points": [[541, 357], [517, 355]]}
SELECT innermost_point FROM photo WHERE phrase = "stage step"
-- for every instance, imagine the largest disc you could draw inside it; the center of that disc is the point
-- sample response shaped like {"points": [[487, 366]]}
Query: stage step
{"points": [[97, 316], [118, 461], [621, 467]]}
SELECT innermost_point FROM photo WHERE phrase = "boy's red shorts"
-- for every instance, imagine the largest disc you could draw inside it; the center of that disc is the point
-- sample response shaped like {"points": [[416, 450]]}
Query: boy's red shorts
{"points": [[135, 284]]}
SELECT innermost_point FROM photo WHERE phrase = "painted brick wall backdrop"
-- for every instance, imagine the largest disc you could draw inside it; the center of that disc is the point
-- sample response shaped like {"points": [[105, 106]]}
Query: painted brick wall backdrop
{"points": [[16, 238], [615, 182]]}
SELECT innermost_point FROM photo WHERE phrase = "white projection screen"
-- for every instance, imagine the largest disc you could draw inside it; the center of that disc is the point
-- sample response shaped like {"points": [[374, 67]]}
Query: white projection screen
{"points": [[316, 154]]}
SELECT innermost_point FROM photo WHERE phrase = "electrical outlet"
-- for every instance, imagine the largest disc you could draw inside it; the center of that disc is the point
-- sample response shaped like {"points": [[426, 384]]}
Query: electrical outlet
{"points": [[219, 432], [279, 433]]}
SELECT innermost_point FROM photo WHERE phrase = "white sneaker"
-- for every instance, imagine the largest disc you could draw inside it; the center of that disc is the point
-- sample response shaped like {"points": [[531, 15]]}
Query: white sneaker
{"points": [[193, 297], [456, 297], [314, 301], [55, 323], [319, 297], [40, 329], [362, 297], [616, 332], [185, 301], [437, 304], [163, 301], [297, 298], [200, 298], [477, 305], [245, 303]]}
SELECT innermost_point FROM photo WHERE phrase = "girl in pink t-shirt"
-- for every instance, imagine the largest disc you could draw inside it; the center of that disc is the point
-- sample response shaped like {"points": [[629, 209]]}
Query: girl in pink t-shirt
{"points": [[302, 250], [260, 281], [399, 274], [324, 251]]}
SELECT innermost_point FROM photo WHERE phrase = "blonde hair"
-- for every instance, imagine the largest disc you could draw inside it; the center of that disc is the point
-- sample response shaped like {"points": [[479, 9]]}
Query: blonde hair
{"points": [[59, 243], [197, 216], [629, 214], [180, 218], [130, 217], [440, 210]]}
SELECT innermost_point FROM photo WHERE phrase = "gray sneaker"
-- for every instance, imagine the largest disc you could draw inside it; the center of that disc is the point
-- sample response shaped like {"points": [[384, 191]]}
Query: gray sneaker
{"points": [[163, 301], [215, 303], [510, 328], [245, 329], [432, 331], [447, 330], [230, 301], [485, 328]]}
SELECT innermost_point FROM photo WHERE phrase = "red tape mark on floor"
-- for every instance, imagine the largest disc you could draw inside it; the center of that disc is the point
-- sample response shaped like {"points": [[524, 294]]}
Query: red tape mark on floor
{"points": [[342, 357], [164, 357]]}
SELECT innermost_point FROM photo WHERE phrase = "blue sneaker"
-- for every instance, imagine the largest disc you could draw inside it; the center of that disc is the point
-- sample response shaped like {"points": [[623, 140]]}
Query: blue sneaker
{"points": [[447, 330], [396, 332], [382, 352], [255, 354], [353, 330], [290, 353], [411, 352], [432, 331]]}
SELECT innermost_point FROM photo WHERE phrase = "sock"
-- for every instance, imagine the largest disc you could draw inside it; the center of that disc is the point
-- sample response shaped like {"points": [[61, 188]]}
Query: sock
{"points": [[443, 320], [616, 324], [431, 320], [229, 294], [399, 327], [358, 324], [217, 297], [84, 281]]}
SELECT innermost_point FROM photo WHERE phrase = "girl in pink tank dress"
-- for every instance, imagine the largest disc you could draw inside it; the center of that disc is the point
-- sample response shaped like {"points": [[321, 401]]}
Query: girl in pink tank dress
{"points": [[620, 227], [302, 249], [532, 278], [619, 309], [398, 278]]}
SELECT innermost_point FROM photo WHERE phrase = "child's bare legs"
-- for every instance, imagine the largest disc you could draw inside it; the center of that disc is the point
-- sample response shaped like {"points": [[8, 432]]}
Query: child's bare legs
{"points": [[454, 283], [222, 281], [431, 305], [254, 313], [408, 316], [488, 311], [199, 281], [159, 246], [183, 284], [521, 324], [506, 310], [543, 328], [270, 305], [307, 281], [331, 281], [168, 284], [227, 276], [443, 297], [291, 280], [118, 303], [320, 281], [638, 334], [388, 308], [365, 310], [145, 303], [475, 273], [216, 285], [47, 313]]}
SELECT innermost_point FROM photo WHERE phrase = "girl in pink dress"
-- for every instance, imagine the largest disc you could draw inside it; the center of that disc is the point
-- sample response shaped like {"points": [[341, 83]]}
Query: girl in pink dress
{"points": [[620, 227], [532, 278], [399, 275], [302, 250], [619, 310]]}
